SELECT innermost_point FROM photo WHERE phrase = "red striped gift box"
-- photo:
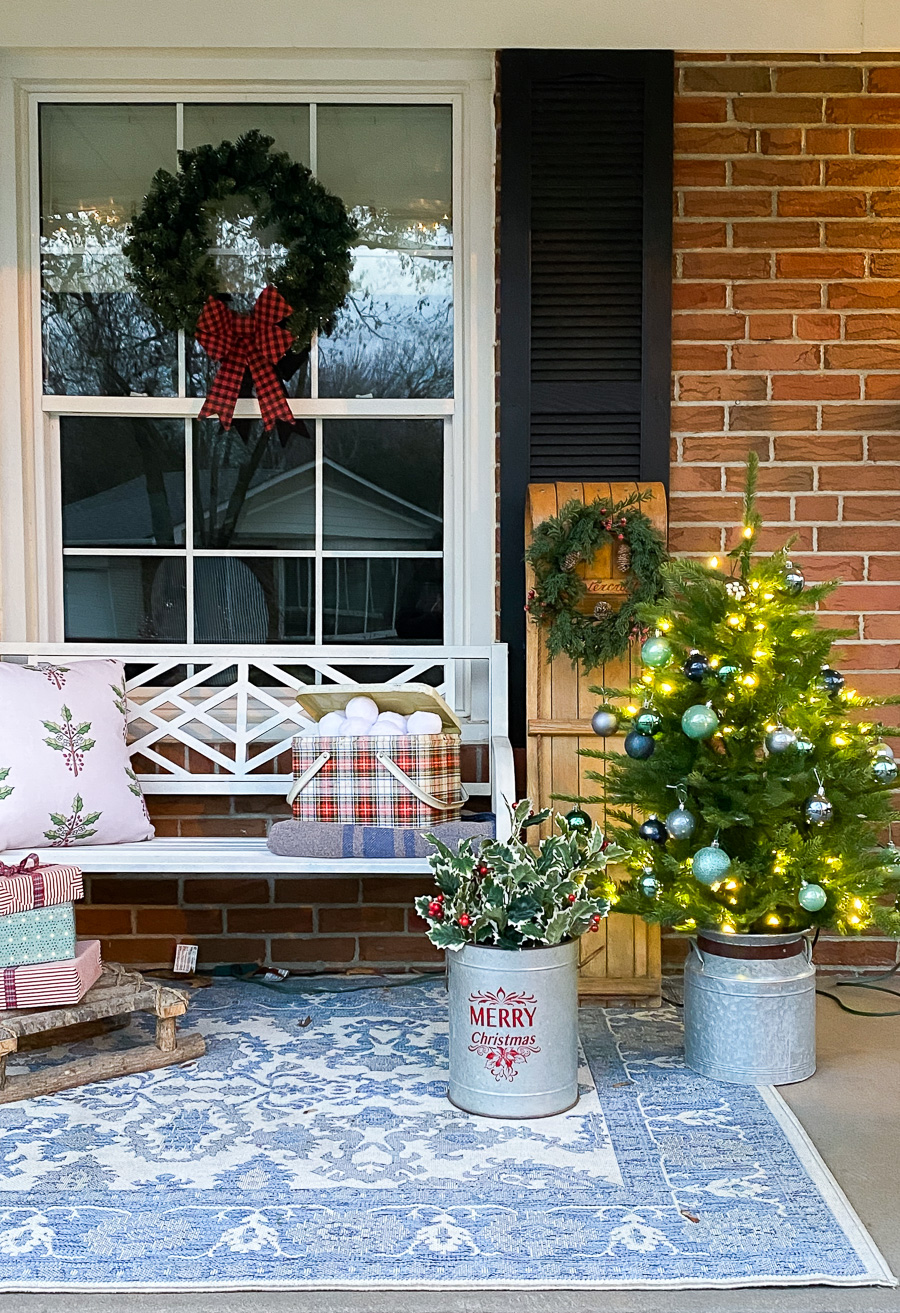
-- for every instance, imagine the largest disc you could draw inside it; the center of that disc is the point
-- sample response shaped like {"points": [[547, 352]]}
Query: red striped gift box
{"points": [[29, 885], [53, 984]]}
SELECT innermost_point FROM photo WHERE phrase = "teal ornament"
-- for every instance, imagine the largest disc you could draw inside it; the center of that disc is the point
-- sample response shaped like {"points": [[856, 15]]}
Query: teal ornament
{"points": [[727, 671], [648, 884], [884, 769], [578, 820], [681, 823], [699, 721], [639, 746], [802, 742], [710, 864], [656, 652], [648, 720], [812, 897]]}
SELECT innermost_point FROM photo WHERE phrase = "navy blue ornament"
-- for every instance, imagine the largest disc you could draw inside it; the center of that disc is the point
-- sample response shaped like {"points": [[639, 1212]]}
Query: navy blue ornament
{"points": [[696, 667], [653, 830], [831, 680], [639, 746], [648, 721]]}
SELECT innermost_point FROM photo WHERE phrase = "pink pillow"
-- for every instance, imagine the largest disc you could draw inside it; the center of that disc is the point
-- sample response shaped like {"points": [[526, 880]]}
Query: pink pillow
{"points": [[65, 773]]}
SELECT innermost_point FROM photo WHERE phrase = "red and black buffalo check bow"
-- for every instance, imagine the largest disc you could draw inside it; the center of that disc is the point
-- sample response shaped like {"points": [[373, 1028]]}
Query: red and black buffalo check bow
{"points": [[241, 342]]}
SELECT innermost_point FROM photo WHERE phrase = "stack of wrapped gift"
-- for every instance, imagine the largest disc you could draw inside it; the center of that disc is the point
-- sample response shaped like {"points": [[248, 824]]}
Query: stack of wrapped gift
{"points": [[42, 964]]}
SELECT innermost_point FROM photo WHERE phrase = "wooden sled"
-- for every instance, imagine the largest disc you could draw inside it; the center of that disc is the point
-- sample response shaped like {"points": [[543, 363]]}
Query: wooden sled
{"points": [[108, 1005]]}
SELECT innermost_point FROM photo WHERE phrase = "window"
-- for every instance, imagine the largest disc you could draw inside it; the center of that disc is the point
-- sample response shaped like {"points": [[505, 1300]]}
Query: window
{"points": [[173, 530]]}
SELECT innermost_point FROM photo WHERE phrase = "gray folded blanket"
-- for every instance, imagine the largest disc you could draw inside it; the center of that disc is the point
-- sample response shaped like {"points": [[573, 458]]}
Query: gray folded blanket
{"points": [[328, 839]]}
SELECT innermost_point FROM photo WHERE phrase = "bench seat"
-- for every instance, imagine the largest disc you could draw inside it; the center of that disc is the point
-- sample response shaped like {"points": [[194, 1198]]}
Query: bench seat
{"points": [[232, 856]]}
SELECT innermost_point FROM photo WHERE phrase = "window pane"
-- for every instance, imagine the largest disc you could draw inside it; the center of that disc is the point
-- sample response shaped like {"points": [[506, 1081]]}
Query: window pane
{"points": [[249, 490], [122, 481], [97, 162], [246, 254], [240, 600], [136, 599], [212, 124], [392, 165], [383, 484], [383, 601]]}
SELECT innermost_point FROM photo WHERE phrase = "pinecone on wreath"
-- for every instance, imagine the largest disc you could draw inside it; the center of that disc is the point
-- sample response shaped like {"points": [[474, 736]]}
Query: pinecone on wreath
{"points": [[571, 560], [603, 610], [623, 558]]}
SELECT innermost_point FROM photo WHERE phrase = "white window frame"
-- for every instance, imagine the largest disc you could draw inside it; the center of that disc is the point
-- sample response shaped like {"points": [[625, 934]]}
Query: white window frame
{"points": [[30, 501]]}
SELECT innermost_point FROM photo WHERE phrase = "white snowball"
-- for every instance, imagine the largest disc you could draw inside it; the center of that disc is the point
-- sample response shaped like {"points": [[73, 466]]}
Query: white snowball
{"points": [[355, 727], [394, 718], [386, 725], [362, 709], [331, 723], [424, 722]]}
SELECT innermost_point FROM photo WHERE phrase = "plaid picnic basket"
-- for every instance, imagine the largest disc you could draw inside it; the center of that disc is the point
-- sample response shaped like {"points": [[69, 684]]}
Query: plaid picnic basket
{"points": [[411, 780]]}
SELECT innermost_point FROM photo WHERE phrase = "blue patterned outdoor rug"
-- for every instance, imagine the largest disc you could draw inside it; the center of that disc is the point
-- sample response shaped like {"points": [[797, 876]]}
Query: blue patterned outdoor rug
{"points": [[326, 1156]]}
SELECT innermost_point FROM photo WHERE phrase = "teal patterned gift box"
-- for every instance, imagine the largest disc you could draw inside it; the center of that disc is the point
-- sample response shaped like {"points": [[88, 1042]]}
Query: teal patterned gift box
{"points": [[46, 934]]}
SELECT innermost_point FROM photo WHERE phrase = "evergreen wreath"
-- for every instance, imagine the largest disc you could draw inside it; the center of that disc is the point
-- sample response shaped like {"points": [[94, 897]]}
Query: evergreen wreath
{"points": [[172, 268], [560, 543]]}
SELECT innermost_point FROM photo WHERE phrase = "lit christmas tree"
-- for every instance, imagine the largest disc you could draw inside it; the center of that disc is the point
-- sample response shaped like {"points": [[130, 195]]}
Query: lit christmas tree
{"points": [[760, 785]]}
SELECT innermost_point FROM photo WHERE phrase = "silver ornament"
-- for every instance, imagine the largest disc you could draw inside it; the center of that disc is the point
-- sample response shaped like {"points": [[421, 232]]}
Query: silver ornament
{"points": [[884, 769], [681, 823], [793, 580], [780, 739], [884, 750], [818, 809], [604, 722]]}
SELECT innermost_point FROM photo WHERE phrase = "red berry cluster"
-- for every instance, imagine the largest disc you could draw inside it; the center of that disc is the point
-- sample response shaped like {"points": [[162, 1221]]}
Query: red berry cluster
{"points": [[595, 921], [436, 906], [465, 921]]}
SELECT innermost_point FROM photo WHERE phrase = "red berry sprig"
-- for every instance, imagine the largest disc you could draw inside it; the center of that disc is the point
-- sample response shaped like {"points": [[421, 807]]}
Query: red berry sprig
{"points": [[436, 906], [595, 922], [465, 921]]}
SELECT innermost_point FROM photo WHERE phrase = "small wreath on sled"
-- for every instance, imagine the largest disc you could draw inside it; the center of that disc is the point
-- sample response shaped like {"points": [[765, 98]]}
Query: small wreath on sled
{"points": [[560, 544], [174, 272]]}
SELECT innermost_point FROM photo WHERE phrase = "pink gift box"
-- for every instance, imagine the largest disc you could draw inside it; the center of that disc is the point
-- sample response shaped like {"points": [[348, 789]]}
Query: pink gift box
{"points": [[53, 984], [30, 885]]}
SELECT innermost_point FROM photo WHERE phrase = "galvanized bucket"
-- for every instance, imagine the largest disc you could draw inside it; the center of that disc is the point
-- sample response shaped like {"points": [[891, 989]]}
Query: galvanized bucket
{"points": [[750, 1008], [514, 1030]]}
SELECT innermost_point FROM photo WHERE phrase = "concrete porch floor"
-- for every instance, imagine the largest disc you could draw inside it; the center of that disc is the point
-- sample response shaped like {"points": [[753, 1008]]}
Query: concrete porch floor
{"points": [[851, 1110]]}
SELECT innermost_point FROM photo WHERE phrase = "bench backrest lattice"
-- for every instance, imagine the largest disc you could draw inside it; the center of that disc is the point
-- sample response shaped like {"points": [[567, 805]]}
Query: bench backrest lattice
{"points": [[201, 720]]}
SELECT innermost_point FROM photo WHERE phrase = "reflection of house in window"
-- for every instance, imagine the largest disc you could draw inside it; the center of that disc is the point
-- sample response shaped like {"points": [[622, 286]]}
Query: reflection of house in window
{"points": [[253, 600]]}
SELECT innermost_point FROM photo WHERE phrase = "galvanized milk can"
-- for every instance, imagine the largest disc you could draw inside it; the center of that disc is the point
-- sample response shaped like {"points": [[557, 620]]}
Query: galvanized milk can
{"points": [[750, 1008], [514, 1030]]}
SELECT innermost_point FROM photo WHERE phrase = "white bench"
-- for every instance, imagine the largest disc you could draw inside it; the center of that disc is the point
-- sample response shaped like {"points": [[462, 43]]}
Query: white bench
{"points": [[208, 722]]}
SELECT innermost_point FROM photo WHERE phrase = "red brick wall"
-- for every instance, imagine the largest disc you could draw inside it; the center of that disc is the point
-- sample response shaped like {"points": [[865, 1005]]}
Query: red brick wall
{"points": [[787, 336]]}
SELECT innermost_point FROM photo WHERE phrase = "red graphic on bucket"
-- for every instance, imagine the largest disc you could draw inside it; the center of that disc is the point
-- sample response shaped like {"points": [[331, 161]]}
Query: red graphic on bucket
{"points": [[508, 1038]]}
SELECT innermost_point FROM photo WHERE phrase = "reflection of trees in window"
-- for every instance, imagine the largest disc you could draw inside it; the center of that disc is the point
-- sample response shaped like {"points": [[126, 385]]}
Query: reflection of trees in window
{"points": [[394, 337], [99, 339]]}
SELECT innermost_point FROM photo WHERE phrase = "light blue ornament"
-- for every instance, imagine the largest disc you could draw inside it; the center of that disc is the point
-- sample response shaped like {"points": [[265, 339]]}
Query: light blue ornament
{"points": [[681, 823], [656, 652], [699, 721], [710, 864], [812, 897]]}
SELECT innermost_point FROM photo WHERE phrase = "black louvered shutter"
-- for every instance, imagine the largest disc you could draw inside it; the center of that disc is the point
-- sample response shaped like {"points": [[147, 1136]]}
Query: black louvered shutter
{"points": [[585, 282]]}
